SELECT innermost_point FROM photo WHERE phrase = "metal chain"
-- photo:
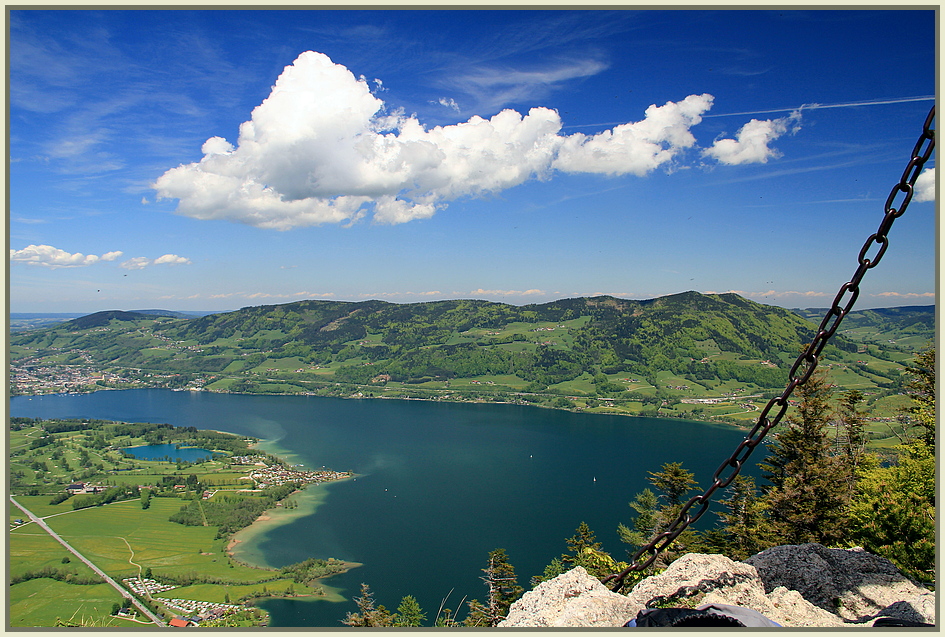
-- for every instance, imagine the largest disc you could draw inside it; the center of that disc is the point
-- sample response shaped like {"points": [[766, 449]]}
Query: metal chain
{"points": [[805, 364]]}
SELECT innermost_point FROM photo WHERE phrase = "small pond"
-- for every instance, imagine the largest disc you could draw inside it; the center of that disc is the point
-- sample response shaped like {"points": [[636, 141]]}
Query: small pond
{"points": [[162, 452]]}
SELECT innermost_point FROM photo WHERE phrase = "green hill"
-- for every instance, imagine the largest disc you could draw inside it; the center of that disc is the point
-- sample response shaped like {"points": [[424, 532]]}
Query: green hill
{"points": [[597, 352], [908, 328]]}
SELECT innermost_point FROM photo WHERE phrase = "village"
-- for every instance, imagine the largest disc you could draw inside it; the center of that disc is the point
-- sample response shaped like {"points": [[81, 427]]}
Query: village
{"points": [[276, 475], [32, 377]]}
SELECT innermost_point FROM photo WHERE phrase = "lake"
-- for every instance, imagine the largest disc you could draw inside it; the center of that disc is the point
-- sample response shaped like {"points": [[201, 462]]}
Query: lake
{"points": [[439, 484]]}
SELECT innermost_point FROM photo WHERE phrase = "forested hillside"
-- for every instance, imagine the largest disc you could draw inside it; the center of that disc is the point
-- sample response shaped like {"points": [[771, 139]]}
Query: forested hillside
{"points": [[597, 352]]}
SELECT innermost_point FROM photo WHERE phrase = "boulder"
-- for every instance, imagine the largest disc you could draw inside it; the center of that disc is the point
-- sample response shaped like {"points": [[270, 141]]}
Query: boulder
{"points": [[796, 586], [850, 583], [573, 599], [696, 579]]}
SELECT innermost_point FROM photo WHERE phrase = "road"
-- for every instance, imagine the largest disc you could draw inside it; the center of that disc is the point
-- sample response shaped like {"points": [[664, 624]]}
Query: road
{"points": [[118, 587]]}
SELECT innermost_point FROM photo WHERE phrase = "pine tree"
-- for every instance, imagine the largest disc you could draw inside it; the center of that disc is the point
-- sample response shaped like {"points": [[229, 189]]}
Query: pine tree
{"points": [[583, 538], [809, 485], [852, 421], [553, 569], [645, 524], [478, 616], [741, 533], [503, 586], [584, 548], [673, 482], [409, 613], [893, 514], [922, 392], [368, 614]]}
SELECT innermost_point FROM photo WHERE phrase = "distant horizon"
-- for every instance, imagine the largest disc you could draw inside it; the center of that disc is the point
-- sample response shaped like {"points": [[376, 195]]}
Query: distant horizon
{"points": [[204, 311]]}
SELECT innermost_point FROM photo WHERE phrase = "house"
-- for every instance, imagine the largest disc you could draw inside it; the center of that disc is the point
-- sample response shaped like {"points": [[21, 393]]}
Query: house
{"points": [[179, 622], [78, 487]]}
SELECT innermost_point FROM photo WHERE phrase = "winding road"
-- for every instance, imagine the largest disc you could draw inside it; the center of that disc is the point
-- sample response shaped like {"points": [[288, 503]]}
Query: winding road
{"points": [[118, 587]]}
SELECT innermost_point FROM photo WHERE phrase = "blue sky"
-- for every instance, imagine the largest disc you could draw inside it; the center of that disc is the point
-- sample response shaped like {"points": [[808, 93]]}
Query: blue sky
{"points": [[212, 160]]}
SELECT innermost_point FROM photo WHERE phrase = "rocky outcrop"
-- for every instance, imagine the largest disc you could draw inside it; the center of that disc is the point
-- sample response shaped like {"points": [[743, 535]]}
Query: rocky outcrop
{"points": [[569, 600], [853, 584], [796, 586]]}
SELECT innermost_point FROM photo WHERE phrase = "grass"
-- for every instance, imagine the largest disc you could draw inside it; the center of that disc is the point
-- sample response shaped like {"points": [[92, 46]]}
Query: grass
{"points": [[121, 537], [40, 602], [31, 549]]}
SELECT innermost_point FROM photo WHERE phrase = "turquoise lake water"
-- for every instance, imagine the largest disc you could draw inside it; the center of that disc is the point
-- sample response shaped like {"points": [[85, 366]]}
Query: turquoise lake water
{"points": [[440, 484]]}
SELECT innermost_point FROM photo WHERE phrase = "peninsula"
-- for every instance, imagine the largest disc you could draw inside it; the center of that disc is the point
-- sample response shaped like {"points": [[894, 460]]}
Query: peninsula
{"points": [[147, 539]]}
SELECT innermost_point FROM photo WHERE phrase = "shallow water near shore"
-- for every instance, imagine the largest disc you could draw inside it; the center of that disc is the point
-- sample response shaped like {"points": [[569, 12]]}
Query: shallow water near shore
{"points": [[439, 485]]}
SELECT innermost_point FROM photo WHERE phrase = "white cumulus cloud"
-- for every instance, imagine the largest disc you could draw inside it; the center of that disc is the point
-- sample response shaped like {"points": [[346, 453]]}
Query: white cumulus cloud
{"points": [[924, 189], [322, 148], [751, 143], [49, 257]]}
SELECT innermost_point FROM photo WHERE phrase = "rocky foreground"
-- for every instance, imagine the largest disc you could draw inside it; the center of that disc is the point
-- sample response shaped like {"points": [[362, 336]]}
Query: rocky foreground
{"points": [[796, 586]]}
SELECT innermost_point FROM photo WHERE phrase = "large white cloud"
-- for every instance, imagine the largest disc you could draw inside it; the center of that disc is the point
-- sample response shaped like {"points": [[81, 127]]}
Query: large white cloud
{"points": [[323, 149], [49, 257]]}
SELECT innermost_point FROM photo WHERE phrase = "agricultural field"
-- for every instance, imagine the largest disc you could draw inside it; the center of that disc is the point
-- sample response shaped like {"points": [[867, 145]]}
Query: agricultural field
{"points": [[128, 519]]}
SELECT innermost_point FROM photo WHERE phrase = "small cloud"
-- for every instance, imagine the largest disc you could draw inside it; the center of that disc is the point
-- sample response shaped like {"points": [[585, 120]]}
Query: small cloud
{"points": [[751, 143], [139, 263], [391, 295], [49, 257], [907, 295], [925, 186], [171, 259], [481, 292], [449, 102]]}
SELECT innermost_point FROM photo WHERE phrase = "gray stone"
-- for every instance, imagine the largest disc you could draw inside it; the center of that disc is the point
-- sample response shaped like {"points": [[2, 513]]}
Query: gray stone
{"points": [[573, 599], [851, 583], [697, 579]]}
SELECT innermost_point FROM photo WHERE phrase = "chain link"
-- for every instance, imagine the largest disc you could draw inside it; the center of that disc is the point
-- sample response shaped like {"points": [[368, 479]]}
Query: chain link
{"points": [[805, 364]]}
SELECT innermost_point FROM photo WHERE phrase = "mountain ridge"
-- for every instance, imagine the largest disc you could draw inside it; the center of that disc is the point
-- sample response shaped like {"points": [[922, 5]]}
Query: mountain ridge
{"points": [[679, 353]]}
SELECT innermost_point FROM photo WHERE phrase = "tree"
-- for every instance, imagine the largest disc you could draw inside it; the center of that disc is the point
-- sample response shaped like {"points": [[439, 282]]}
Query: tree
{"points": [[503, 586], [368, 614], [893, 514], [581, 547], [741, 533], [852, 422], [646, 522], [922, 392], [673, 482], [553, 569], [809, 485], [894, 509], [583, 538], [409, 613]]}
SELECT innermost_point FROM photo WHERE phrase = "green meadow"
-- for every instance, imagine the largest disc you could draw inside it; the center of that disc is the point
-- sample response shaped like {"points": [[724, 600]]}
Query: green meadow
{"points": [[125, 538]]}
